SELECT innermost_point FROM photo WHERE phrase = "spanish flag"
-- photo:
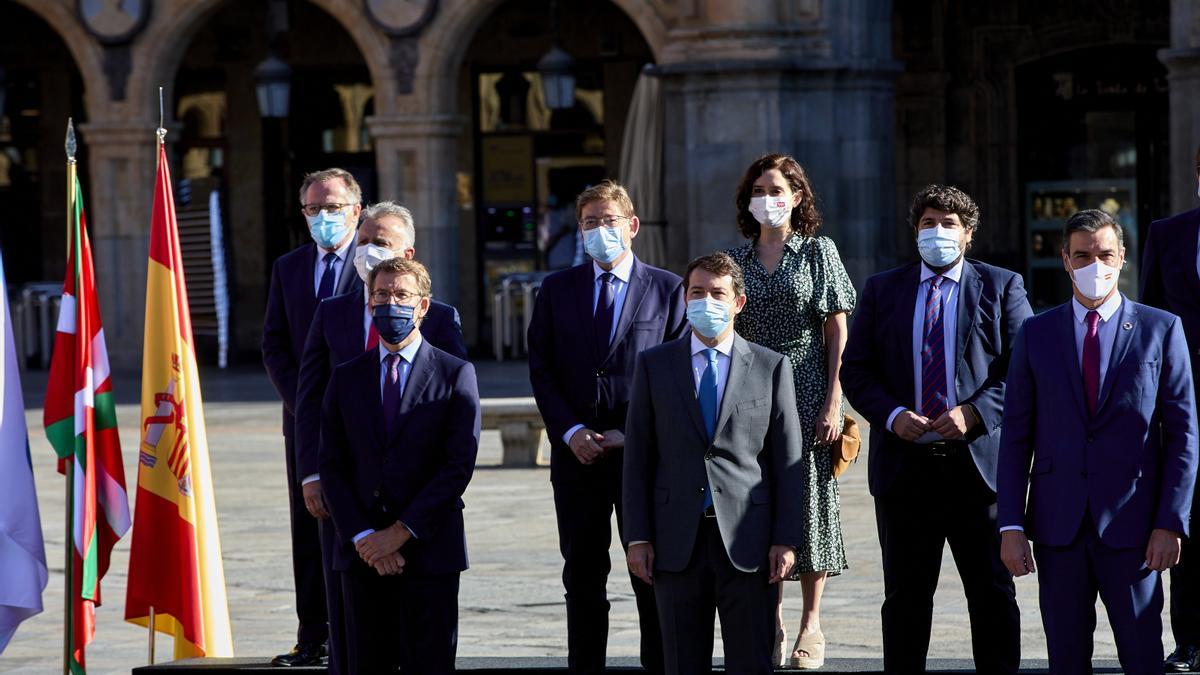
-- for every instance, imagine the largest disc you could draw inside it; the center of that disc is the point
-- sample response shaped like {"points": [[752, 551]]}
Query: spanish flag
{"points": [[175, 560]]}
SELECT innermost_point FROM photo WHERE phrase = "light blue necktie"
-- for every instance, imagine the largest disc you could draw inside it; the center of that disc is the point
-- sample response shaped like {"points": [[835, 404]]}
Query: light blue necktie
{"points": [[708, 406]]}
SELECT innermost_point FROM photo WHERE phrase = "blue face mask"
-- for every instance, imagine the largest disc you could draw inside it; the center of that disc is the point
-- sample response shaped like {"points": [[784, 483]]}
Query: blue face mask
{"points": [[604, 244], [709, 317], [938, 246], [394, 322], [328, 229]]}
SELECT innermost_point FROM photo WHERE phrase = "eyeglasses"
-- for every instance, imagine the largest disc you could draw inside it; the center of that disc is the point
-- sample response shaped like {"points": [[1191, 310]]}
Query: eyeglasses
{"points": [[314, 209], [607, 221], [390, 298]]}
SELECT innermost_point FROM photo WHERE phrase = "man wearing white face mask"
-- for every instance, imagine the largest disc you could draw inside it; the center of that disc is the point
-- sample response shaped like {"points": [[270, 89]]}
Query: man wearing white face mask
{"points": [[935, 428], [589, 324], [342, 329], [331, 202], [1100, 433], [1171, 281]]}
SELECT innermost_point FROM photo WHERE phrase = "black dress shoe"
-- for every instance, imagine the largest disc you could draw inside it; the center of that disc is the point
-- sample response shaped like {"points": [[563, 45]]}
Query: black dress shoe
{"points": [[301, 655], [1185, 658]]}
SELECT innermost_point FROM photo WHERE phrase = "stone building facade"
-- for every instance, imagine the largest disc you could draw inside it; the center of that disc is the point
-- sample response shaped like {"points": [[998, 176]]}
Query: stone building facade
{"points": [[875, 98]]}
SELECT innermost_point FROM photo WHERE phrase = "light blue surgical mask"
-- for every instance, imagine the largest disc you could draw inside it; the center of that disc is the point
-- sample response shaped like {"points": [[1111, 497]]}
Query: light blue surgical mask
{"points": [[604, 244], [938, 246], [328, 229], [709, 317]]}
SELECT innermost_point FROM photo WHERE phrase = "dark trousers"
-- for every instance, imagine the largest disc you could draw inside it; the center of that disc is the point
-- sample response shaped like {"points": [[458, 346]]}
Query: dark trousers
{"points": [[944, 500], [584, 499], [333, 601], [1185, 594], [1069, 578], [687, 600], [408, 621], [306, 559]]}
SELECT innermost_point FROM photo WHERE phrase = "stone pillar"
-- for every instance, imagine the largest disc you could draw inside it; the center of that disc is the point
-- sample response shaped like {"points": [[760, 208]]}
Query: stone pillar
{"points": [[417, 159], [1182, 59], [821, 91], [122, 155]]}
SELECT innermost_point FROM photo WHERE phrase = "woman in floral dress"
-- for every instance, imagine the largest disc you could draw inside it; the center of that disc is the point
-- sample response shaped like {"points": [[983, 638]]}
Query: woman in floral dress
{"points": [[798, 297]]}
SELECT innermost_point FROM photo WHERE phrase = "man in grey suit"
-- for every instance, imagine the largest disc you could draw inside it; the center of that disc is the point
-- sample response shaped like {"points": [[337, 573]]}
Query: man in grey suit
{"points": [[711, 485]]}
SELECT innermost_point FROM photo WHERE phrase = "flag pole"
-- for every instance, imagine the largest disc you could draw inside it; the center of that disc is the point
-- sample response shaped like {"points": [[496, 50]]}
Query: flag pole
{"points": [[69, 463], [151, 624], [161, 133]]}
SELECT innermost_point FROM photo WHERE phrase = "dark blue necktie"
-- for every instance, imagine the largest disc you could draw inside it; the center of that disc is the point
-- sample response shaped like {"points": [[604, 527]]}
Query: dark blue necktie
{"points": [[707, 393], [933, 355], [604, 310], [391, 391], [328, 277]]}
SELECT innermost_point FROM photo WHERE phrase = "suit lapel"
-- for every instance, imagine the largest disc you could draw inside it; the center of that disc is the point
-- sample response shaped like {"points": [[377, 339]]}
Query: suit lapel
{"points": [[685, 379], [304, 280], [740, 361], [633, 300], [970, 288], [1189, 250], [368, 371], [1126, 317], [419, 376], [902, 324], [349, 275], [354, 317], [1066, 336]]}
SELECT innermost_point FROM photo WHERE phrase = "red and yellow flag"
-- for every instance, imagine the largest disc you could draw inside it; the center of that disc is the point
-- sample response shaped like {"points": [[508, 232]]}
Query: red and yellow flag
{"points": [[81, 423], [175, 560]]}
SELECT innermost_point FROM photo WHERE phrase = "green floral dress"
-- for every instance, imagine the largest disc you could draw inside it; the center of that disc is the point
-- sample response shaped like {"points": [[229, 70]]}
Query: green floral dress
{"points": [[785, 312]]}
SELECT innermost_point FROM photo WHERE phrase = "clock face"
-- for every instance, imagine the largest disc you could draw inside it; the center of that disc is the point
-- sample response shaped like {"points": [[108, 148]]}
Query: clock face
{"points": [[401, 17]]}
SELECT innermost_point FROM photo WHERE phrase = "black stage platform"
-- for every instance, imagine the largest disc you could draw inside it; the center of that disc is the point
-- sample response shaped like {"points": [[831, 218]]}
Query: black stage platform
{"points": [[516, 665]]}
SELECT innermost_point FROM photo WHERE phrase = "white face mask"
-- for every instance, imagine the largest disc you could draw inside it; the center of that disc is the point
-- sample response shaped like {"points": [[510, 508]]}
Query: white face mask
{"points": [[366, 257], [771, 211], [1095, 281]]}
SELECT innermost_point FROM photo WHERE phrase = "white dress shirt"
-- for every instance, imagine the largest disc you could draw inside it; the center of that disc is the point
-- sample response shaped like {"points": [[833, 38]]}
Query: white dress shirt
{"points": [[406, 359], [949, 290], [339, 264], [621, 274], [1106, 332]]}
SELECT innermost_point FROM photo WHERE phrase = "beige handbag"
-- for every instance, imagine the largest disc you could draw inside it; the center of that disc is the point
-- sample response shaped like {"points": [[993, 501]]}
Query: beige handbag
{"points": [[845, 449]]}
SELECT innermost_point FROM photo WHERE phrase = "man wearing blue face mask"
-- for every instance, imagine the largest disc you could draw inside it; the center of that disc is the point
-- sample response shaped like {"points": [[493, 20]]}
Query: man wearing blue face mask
{"points": [[713, 484], [330, 201], [589, 324], [399, 438], [935, 429], [342, 328]]}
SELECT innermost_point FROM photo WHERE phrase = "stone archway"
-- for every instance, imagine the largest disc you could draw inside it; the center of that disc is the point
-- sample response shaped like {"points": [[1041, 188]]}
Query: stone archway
{"points": [[87, 54]]}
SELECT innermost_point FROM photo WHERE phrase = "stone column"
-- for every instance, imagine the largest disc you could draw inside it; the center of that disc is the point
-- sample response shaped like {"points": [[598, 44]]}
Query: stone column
{"points": [[821, 90], [417, 159], [1183, 84], [122, 155]]}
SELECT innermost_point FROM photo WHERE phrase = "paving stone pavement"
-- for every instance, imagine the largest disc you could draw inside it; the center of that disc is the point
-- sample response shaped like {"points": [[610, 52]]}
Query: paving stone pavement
{"points": [[511, 601]]}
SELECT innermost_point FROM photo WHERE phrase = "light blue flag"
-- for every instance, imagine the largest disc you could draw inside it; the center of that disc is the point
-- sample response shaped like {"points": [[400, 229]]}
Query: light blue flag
{"points": [[22, 553]]}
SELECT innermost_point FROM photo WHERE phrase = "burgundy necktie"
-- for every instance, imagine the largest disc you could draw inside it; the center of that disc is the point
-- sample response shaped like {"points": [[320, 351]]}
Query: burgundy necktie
{"points": [[372, 337], [933, 355], [1091, 361]]}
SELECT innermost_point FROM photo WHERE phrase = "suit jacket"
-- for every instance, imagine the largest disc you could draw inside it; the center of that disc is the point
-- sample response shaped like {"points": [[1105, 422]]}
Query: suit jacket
{"points": [[1169, 277], [336, 336], [291, 302], [877, 365], [752, 464], [1131, 466], [574, 382], [416, 475]]}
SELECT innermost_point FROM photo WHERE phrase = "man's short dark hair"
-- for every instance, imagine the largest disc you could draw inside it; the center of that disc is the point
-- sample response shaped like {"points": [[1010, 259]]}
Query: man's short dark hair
{"points": [[945, 198], [720, 264], [400, 267], [1090, 220]]}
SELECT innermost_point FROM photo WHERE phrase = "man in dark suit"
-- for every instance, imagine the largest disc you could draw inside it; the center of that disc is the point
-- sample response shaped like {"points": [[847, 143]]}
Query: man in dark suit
{"points": [[399, 437], [1100, 430], [589, 324], [935, 421], [713, 486], [1171, 281], [331, 203], [342, 330]]}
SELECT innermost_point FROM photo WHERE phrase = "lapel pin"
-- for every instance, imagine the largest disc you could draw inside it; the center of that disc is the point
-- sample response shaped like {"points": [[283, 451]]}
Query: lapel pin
{"points": [[1127, 326]]}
